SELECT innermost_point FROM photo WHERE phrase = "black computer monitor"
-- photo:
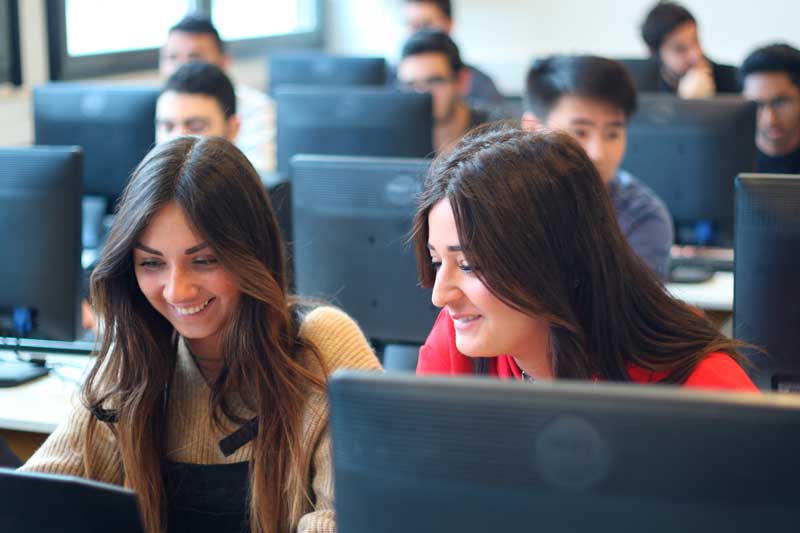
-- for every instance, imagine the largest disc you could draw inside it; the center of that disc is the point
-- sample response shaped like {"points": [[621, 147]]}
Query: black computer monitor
{"points": [[351, 218], [40, 232], [320, 68], [352, 121], [48, 503], [689, 152], [766, 283], [475, 454], [114, 124]]}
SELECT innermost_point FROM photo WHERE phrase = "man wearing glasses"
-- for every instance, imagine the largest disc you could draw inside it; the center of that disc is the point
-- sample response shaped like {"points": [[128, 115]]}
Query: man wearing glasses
{"points": [[771, 78], [431, 63]]}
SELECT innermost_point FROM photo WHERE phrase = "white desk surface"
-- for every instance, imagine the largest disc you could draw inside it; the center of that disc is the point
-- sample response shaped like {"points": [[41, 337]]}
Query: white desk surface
{"points": [[715, 294], [42, 404]]}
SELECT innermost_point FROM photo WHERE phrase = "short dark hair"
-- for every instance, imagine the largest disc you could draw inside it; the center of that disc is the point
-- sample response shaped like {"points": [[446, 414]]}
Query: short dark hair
{"points": [[778, 57], [443, 5], [592, 77], [429, 40], [199, 24], [197, 77], [661, 21]]}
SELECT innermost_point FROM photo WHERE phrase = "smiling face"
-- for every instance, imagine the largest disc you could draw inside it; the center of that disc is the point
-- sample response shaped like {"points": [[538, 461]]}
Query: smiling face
{"points": [[485, 325], [182, 278]]}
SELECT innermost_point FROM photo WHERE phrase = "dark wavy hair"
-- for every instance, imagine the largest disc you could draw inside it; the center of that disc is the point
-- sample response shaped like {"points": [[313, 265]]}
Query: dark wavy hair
{"points": [[536, 223], [778, 57], [197, 77], [220, 192]]}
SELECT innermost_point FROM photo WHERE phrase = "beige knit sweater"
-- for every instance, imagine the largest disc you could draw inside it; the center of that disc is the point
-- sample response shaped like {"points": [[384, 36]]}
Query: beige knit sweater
{"points": [[192, 438]]}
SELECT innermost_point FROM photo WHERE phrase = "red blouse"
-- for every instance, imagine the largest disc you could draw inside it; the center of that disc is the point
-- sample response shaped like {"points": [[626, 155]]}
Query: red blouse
{"points": [[439, 355]]}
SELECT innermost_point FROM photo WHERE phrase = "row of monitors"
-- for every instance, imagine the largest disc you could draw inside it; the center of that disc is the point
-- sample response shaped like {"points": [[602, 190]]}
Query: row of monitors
{"points": [[685, 150], [475, 455], [345, 207]]}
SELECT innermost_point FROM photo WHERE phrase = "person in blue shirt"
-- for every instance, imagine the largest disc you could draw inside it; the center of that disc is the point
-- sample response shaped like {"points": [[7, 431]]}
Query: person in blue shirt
{"points": [[592, 99]]}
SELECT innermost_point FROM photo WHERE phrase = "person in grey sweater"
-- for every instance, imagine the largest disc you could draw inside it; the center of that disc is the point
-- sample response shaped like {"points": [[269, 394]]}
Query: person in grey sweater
{"points": [[592, 99]]}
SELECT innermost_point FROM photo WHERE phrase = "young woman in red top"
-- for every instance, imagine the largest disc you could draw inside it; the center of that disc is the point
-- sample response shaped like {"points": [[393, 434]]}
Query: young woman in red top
{"points": [[517, 236]]}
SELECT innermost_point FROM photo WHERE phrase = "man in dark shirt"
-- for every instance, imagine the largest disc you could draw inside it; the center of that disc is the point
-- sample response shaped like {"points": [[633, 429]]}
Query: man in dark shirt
{"points": [[431, 63], [479, 89], [592, 99], [772, 79], [679, 63]]}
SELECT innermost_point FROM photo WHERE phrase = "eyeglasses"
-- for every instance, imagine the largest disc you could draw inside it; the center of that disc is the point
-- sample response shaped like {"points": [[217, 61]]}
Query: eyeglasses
{"points": [[425, 85], [779, 104]]}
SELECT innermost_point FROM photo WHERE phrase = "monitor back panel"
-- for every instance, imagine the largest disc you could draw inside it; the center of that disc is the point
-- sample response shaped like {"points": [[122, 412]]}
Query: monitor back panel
{"points": [[352, 121], [475, 455], [689, 152], [767, 286], [352, 218], [115, 126]]}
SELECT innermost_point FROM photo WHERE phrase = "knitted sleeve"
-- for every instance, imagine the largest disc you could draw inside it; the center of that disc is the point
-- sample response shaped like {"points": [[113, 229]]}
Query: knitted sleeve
{"points": [[63, 451], [341, 345]]}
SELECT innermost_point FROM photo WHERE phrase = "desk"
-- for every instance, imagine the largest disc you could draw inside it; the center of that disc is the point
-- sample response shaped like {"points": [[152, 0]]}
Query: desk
{"points": [[30, 412], [715, 294]]}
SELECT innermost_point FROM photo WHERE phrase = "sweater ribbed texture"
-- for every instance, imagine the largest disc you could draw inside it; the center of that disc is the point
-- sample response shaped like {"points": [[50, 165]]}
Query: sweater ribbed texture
{"points": [[191, 436]]}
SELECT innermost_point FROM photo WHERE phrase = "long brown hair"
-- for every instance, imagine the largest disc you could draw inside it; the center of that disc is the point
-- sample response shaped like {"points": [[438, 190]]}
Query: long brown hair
{"points": [[221, 194], [537, 225]]}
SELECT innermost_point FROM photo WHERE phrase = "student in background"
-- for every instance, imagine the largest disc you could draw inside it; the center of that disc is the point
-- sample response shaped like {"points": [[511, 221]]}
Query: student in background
{"points": [[431, 63], [592, 99], [208, 397], [771, 78], [197, 99], [517, 237], [196, 38], [672, 37], [478, 89]]}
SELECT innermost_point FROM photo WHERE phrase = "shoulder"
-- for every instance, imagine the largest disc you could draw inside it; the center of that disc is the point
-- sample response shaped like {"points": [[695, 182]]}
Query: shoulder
{"points": [[719, 371], [637, 200], [726, 78], [340, 341], [249, 98]]}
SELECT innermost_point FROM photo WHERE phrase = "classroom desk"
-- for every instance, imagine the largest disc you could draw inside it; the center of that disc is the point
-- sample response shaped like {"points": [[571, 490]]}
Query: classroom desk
{"points": [[30, 412], [715, 294]]}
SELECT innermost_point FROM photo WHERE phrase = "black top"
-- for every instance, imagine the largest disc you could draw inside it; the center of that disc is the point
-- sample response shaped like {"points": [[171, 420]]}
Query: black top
{"points": [[647, 77], [784, 164]]}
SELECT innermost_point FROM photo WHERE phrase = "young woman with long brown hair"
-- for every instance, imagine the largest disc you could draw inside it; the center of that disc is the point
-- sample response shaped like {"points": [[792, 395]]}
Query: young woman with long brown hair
{"points": [[517, 236], [208, 396]]}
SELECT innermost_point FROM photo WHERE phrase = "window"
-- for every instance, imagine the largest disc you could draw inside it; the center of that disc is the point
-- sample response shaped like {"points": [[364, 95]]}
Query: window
{"points": [[90, 38], [10, 62]]}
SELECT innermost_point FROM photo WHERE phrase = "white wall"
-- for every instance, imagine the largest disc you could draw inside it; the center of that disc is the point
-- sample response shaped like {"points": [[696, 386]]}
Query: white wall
{"points": [[502, 36]]}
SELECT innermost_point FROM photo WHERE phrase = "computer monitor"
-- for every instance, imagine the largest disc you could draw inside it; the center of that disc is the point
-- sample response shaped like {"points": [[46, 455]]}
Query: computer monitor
{"points": [[351, 218], [320, 68], [114, 124], [766, 283], [352, 121], [48, 503], [475, 454], [40, 232], [689, 152]]}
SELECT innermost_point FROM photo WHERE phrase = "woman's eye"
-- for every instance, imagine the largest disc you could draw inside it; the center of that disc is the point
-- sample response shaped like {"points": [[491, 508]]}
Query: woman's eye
{"points": [[150, 263], [466, 268], [436, 265], [205, 261]]}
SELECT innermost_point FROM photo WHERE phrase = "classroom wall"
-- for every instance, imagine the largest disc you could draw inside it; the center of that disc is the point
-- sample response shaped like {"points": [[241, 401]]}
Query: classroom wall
{"points": [[502, 36]]}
